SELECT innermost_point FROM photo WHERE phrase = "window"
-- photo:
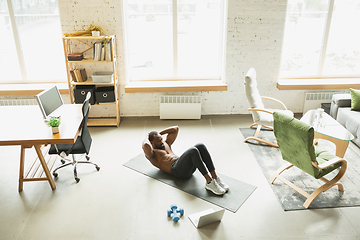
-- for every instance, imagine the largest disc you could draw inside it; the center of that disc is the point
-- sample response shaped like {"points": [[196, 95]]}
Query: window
{"points": [[321, 39], [174, 39], [30, 45]]}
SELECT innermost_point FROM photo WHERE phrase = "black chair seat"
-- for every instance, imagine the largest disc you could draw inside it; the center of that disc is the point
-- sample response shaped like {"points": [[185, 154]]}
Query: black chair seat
{"points": [[77, 149]]}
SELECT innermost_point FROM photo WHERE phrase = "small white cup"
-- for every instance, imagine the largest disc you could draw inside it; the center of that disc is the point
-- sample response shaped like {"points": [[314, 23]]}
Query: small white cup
{"points": [[95, 33]]}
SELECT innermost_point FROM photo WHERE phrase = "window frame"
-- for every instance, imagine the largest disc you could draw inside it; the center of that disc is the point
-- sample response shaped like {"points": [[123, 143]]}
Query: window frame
{"points": [[16, 36], [320, 76], [175, 78], [19, 53]]}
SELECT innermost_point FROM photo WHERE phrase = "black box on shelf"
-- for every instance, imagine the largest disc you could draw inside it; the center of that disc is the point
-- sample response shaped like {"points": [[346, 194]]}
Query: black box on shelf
{"points": [[80, 92], [75, 56], [105, 94]]}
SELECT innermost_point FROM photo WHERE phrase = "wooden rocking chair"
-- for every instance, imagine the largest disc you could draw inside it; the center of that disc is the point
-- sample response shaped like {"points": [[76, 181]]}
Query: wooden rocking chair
{"points": [[262, 116], [295, 140]]}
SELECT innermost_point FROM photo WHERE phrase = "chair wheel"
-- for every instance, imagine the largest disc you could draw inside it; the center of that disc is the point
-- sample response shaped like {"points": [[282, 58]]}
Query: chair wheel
{"points": [[77, 180], [87, 157], [62, 161], [98, 168], [55, 174]]}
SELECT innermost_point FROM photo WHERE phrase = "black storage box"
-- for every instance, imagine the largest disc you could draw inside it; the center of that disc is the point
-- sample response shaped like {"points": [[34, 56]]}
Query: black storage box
{"points": [[105, 94], [80, 92]]}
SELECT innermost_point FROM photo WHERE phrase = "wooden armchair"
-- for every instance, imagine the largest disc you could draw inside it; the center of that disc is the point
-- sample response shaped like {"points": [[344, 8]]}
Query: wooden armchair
{"points": [[295, 140], [262, 116]]}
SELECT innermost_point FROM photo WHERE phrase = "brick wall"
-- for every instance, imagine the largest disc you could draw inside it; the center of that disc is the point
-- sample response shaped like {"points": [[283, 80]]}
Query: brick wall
{"points": [[254, 39]]}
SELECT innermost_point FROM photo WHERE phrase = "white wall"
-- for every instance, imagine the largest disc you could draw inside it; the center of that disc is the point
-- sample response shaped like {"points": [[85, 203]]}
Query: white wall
{"points": [[254, 39]]}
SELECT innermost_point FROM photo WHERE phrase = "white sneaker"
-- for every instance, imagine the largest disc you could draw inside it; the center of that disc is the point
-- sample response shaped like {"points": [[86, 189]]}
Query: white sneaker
{"points": [[215, 188], [222, 184]]}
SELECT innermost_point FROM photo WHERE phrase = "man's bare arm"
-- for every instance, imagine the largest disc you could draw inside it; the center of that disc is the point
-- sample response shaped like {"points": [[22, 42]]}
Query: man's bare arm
{"points": [[148, 149], [172, 133], [149, 153]]}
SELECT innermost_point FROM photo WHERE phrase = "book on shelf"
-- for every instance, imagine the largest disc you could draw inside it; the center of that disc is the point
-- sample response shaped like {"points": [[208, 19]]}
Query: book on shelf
{"points": [[72, 73], [102, 58], [97, 51], [107, 46], [83, 74], [78, 75], [102, 51], [75, 56]]}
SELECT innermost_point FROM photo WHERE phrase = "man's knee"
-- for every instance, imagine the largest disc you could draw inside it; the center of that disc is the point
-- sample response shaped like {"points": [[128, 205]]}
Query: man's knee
{"points": [[200, 146], [193, 150]]}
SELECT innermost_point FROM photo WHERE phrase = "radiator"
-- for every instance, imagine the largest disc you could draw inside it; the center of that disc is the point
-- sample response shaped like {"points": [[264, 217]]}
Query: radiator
{"points": [[13, 102], [313, 100], [180, 107]]}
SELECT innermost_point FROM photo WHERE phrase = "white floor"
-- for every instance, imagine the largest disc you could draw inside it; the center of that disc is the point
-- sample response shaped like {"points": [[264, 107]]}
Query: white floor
{"points": [[119, 203]]}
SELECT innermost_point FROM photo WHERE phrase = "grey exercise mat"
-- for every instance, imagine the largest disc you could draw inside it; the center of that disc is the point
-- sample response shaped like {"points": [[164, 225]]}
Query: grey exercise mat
{"points": [[269, 160], [232, 200]]}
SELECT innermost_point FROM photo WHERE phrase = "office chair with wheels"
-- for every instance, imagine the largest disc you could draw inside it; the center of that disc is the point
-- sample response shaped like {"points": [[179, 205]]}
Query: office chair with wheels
{"points": [[81, 145]]}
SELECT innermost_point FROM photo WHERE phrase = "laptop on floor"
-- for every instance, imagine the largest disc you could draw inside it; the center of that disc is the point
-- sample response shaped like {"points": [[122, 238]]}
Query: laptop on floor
{"points": [[206, 217]]}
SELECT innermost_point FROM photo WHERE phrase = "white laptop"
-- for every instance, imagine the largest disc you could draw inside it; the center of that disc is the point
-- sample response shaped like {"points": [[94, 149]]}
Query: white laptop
{"points": [[206, 217], [49, 101]]}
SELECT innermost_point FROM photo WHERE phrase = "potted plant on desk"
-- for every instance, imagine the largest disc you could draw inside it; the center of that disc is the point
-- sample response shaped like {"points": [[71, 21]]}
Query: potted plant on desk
{"points": [[54, 123]]}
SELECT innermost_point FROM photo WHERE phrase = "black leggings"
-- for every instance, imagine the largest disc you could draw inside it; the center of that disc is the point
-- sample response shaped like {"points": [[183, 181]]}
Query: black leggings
{"points": [[196, 157]]}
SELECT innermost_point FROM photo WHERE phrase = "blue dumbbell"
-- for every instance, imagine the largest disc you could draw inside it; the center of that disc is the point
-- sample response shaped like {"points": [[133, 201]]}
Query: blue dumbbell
{"points": [[173, 210]]}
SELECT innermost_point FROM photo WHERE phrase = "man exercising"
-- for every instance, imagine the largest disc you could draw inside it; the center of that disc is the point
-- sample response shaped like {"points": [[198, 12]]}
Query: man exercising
{"points": [[160, 155]]}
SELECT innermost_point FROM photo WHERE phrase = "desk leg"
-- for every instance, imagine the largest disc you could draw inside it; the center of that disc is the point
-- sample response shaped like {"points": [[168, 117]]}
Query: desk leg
{"points": [[45, 167], [22, 163]]}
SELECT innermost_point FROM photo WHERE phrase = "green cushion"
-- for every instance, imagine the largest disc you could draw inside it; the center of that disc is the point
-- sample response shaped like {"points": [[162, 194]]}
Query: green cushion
{"points": [[355, 99], [321, 157], [295, 140]]}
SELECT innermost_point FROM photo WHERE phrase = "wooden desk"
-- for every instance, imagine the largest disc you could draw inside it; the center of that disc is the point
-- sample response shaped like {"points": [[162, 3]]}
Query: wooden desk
{"points": [[25, 126]]}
